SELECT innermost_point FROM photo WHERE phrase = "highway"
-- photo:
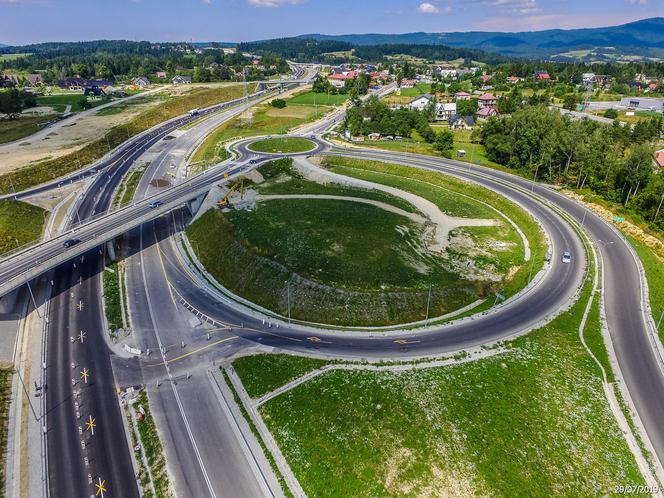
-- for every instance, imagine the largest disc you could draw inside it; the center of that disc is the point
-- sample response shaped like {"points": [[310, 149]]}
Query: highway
{"points": [[629, 328]]}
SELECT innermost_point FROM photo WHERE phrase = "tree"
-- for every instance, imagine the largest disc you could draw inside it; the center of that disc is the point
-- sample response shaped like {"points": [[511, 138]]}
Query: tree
{"points": [[611, 114], [278, 103], [83, 103], [466, 107], [444, 142], [11, 103], [570, 102]]}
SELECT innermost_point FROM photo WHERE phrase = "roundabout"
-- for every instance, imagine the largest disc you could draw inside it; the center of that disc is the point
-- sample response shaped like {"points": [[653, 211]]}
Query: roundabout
{"points": [[285, 145]]}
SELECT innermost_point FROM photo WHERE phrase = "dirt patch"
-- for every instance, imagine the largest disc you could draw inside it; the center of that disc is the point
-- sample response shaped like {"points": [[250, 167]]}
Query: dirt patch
{"points": [[160, 183]]}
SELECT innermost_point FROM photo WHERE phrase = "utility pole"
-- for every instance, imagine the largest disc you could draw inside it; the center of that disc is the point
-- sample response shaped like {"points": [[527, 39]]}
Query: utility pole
{"points": [[426, 319], [658, 208], [288, 298]]}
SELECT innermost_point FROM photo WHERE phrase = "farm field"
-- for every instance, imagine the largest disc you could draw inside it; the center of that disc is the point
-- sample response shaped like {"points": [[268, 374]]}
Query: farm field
{"points": [[318, 98]]}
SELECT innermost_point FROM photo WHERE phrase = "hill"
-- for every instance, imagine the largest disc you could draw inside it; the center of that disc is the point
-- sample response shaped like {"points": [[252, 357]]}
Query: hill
{"points": [[644, 39]]}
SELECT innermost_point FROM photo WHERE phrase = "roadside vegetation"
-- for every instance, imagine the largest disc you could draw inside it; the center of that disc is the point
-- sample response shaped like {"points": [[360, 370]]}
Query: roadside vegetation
{"points": [[20, 224], [151, 445], [50, 169], [286, 145], [15, 129], [653, 264], [343, 262], [112, 297], [6, 374], [126, 191], [532, 421]]}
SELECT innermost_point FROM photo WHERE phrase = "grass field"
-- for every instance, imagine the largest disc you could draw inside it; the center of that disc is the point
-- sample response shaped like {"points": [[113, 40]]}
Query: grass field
{"points": [[528, 423], [287, 145], [60, 101], [23, 126], [318, 98], [50, 169], [264, 373], [343, 262], [11, 57], [440, 190], [417, 90], [20, 222], [654, 268], [125, 193]]}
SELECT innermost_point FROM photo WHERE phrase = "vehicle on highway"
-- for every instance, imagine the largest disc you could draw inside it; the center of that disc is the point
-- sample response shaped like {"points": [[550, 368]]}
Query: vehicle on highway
{"points": [[155, 204], [70, 243], [252, 161], [194, 112], [567, 257]]}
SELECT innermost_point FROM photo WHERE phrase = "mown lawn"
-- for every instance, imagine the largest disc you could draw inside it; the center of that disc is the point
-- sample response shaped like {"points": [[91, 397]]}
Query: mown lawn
{"points": [[287, 145], [19, 221], [533, 422], [318, 98], [23, 126], [263, 373]]}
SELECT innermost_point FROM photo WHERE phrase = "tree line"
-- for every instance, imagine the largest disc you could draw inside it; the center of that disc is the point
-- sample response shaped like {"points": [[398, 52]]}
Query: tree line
{"points": [[615, 161]]}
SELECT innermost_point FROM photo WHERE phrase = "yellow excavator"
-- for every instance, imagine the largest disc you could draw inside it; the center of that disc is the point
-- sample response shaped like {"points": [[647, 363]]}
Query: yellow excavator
{"points": [[227, 198]]}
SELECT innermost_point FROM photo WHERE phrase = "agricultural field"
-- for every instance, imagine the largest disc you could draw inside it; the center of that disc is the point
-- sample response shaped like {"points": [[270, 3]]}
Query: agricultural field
{"points": [[532, 421], [359, 251], [20, 224], [287, 145]]}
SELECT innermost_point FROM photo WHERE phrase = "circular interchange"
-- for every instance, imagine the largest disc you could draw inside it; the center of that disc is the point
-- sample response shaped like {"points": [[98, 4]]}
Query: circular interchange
{"points": [[366, 244], [282, 145]]}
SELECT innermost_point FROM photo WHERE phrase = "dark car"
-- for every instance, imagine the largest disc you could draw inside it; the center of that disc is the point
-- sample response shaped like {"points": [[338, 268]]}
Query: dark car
{"points": [[252, 161], [70, 242]]}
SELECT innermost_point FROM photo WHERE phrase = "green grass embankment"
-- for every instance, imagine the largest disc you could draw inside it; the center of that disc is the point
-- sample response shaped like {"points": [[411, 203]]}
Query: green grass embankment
{"points": [[19, 221]]}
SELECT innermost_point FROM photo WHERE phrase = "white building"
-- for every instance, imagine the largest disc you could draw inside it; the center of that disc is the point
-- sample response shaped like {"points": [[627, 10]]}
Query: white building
{"points": [[445, 110], [420, 103]]}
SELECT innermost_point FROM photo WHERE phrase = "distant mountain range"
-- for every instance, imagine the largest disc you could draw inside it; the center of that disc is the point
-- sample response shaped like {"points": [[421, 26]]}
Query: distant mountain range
{"points": [[643, 39]]}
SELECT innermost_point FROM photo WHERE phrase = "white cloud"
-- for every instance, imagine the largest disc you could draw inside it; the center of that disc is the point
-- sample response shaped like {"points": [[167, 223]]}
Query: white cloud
{"points": [[429, 8], [273, 3]]}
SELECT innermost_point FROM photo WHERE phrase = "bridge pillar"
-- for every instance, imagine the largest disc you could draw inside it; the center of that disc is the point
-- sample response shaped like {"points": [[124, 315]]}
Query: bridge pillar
{"points": [[195, 204], [110, 249], [8, 302]]}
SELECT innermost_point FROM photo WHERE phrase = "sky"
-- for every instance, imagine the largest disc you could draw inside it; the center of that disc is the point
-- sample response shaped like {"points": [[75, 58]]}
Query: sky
{"points": [[32, 21]]}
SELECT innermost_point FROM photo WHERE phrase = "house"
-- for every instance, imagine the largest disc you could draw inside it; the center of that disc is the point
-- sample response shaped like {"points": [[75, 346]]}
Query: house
{"points": [[141, 82], [338, 80], [541, 76], [462, 96], [486, 100], [652, 87], [161, 75], [487, 112], [94, 91], [659, 158], [35, 79], [407, 84], [373, 136], [458, 122], [181, 80], [82, 84], [513, 79], [445, 110], [420, 103], [485, 77], [588, 78], [449, 73]]}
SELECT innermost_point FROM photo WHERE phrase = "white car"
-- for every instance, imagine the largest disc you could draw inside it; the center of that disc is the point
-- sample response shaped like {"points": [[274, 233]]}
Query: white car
{"points": [[567, 257]]}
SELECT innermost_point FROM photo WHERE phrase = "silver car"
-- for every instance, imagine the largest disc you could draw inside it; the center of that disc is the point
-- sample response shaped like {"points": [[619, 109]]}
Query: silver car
{"points": [[567, 257]]}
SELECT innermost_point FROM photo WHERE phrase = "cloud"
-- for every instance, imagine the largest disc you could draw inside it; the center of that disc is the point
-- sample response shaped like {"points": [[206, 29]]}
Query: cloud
{"points": [[273, 3], [429, 8]]}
